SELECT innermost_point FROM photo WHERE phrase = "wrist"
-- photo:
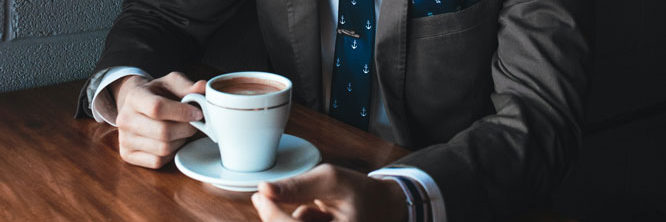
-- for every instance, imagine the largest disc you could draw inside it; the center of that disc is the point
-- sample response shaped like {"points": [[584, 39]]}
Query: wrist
{"points": [[397, 201]]}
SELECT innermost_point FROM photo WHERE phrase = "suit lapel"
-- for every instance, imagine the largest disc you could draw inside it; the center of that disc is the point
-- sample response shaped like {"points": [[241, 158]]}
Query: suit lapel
{"points": [[390, 57], [292, 34], [306, 40]]}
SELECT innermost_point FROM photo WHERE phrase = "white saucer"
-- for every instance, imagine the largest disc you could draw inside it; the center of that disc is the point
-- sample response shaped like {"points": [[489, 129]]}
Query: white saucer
{"points": [[200, 160]]}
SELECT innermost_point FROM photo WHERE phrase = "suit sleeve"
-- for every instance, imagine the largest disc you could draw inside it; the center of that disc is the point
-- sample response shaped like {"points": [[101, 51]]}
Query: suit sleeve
{"points": [[510, 162], [160, 36]]}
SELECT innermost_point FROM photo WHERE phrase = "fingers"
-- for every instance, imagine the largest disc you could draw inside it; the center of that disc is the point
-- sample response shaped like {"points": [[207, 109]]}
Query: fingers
{"points": [[134, 142], [268, 210], [308, 213], [152, 126], [154, 129], [161, 108], [180, 85], [322, 206], [146, 152], [149, 152], [149, 101], [322, 181], [144, 159]]}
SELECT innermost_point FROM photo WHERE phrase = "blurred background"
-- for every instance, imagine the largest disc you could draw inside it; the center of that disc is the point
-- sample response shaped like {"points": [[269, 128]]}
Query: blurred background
{"points": [[621, 171]]}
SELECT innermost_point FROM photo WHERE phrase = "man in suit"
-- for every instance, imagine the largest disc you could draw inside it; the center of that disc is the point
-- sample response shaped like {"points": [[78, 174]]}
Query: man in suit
{"points": [[487, 93]]}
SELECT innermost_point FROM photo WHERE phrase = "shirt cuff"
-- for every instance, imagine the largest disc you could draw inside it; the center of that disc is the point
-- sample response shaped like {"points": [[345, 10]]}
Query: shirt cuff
{"points": [[102, 105], [432, 192]]}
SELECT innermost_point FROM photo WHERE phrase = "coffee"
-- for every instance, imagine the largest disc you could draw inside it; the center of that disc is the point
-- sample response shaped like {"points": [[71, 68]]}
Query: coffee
{"points": [[247, 86], [247, 129]]}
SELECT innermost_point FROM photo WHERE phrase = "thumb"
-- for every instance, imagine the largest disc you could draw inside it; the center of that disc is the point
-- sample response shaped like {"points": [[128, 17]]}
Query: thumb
{"points": [[198, 87], [176, 83], [319, 182], [268, 210]]}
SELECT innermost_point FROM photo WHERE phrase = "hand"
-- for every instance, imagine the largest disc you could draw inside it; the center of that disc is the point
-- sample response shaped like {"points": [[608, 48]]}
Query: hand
{"points": [[152, 122], [339, 194]]}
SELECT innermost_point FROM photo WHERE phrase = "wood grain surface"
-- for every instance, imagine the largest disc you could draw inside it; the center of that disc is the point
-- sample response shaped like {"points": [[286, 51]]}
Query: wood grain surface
{"points": [[57, 168]]}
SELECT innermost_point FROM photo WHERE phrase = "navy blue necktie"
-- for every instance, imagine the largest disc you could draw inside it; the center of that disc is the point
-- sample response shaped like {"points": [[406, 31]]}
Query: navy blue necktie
{"points": [[354, 43]]}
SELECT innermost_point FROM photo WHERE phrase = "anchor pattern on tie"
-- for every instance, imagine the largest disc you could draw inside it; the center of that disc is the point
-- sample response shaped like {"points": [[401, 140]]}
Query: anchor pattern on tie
{"points": [[364, 112], [354, 46], [352, 71]]}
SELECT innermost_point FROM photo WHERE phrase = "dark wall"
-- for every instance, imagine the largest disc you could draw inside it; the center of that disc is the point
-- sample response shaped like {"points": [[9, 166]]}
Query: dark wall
{"points": [[629, 59], [621, 173]]}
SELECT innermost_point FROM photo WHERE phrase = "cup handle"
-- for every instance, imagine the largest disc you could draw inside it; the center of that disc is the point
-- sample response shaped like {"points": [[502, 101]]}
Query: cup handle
{"points": [[201, 100]]}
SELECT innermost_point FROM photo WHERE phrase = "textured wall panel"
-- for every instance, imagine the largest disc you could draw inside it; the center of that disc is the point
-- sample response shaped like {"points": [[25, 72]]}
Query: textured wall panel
{"points": [[25, 64], [38, 18]]}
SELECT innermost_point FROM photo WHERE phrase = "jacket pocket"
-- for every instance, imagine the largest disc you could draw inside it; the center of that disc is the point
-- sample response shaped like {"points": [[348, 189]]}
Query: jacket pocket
{"points": [[448, 76], [454, 22]]}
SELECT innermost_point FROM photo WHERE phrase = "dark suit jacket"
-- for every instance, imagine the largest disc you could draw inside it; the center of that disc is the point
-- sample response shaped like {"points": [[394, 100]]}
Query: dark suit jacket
{"points": [[489, 96]]}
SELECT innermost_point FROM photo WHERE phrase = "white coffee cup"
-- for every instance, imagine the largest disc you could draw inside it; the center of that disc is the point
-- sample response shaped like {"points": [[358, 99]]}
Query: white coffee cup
{"points": [[246, 127]]}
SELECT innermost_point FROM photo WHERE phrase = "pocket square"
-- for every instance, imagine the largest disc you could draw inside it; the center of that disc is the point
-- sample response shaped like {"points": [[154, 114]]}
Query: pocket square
{"points": [[423, 8]]}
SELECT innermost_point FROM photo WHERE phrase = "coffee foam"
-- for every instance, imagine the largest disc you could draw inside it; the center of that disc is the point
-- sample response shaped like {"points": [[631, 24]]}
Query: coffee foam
{"points": [[247, 85]]}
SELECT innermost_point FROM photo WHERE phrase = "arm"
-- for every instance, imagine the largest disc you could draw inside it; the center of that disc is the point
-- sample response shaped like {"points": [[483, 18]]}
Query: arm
{"points": [[511, 161], [160, 36], [504, 164], [153, 37], [157, 36]]}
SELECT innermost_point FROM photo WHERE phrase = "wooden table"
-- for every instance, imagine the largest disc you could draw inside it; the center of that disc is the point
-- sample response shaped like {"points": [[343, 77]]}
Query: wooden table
{"points": [[55, 167]]}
